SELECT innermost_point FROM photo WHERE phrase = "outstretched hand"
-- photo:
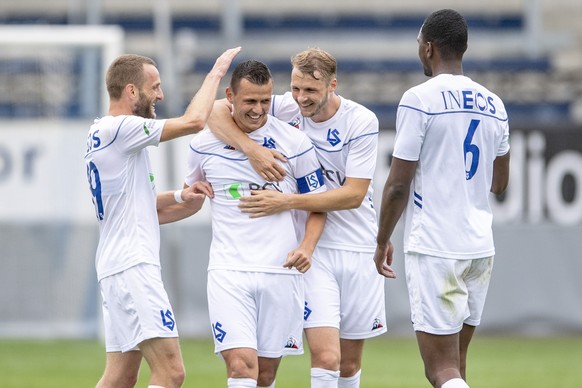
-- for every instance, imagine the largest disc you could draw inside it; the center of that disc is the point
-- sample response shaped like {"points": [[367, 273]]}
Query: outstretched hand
{"points": [[223, 62], [263, 203], [383, 260], [266, 162], [198, 190]]}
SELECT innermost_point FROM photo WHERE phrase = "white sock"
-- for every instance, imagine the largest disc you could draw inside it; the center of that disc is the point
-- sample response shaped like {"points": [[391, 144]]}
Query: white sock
{"points": [[350, 382], [241, 383], [455, 383], [323, 378], [270, 386]]}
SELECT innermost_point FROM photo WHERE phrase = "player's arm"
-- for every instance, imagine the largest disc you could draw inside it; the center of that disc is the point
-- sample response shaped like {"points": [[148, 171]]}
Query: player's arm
{"points": [[394, 199], [176, 205], [266, 202], [198, 111], [500, 174], [265, 161], [300, 257]]}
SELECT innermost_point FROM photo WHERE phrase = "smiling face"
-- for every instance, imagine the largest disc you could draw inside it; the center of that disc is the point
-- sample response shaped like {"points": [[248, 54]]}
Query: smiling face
{"points": [[251, 104], [149, 93], [312, 94]]}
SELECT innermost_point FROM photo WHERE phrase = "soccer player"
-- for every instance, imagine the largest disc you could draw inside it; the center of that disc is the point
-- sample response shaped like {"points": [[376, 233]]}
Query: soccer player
{"points": [[451, 150], [137, 314], [255, 281], [344, 294]]}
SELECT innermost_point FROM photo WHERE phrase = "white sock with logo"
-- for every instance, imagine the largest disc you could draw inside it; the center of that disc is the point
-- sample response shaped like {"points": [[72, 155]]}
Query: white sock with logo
{"points": [[455, 383], [323, 378], [350, 382]]}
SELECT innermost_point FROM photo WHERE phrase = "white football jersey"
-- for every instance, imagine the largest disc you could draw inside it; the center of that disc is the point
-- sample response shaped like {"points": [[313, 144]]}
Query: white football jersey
{"points": [[454, 128], [346, 146], [123, 189], [238, 241]]}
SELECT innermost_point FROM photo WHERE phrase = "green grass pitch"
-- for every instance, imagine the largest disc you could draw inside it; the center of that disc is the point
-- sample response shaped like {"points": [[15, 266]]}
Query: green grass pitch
{"points": [[503, 362]]}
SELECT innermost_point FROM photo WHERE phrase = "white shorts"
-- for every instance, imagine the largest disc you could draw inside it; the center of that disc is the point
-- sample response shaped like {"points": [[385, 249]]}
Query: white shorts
{"points": [[344, 290], [445, 293], [135, 308], [257, 310]]}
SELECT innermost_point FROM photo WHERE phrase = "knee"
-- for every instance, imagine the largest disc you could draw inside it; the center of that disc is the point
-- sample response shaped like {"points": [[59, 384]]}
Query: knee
{"points": [[266, 378], [326, 359], [121, 381], [178, 375], [241, 367], [349, 367]]}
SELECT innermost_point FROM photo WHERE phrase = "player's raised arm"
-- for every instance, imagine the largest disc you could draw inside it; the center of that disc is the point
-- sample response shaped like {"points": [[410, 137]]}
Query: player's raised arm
{"points": [[198, 111]]}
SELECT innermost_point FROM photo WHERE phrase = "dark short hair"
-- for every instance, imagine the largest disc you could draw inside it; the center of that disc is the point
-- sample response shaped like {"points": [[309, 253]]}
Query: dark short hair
{"points": [[447, 29], [253, 71], [126, 69]]}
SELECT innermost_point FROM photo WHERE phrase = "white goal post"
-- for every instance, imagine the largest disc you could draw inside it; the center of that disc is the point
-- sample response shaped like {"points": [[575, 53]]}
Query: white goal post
{"points": [[109, 39]]}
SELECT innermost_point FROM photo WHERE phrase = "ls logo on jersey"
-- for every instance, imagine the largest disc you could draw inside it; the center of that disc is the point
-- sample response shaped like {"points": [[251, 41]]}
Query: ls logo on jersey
{"points": [[310, 182], [269, 142], [306, 312], [233, 190], [333, 137], [168, 319], [219, 334]]}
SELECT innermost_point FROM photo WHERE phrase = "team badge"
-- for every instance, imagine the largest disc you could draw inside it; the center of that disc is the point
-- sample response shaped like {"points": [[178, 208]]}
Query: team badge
{"points": [[167, 319], [219, 333]]}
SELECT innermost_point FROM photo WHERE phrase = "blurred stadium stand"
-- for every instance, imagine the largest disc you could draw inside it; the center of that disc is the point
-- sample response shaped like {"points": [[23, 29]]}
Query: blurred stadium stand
{"points": [[524, 61]]}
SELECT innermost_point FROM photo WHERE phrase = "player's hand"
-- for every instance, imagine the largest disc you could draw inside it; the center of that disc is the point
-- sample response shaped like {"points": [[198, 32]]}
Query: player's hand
{"points": [[196, 191], [267, 162], [223, 62], [299, 259], [263, 203], [383, 260]]}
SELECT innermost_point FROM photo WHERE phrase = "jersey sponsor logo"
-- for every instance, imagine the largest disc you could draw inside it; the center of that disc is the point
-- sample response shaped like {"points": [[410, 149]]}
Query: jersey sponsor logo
{"points": [[310, 182], [167, 319], [334, 176], [229, 147], [306, 312], [291, 343], [219, 333], [146, 129], [233, 190], [468, 99], [377, 324], [333, 137], [268, 142]]}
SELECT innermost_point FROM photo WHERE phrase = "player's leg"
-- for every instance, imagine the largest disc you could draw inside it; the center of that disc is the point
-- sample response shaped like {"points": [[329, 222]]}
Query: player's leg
{"points": [[440, 355], [351, 362], [324, 345], [280, 303], [439, 306], [477, 280], [322, 319], [121, 370], [464, 340], [267, 371], [164, 358], [241, 366], [363, 311], [233, 313]]}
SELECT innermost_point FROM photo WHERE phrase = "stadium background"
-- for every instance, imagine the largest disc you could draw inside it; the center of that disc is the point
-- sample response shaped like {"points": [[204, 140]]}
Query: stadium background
{"points": [[529, 52]]}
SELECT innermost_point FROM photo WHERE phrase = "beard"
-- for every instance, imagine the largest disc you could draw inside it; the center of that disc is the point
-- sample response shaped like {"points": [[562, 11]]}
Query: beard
{"points": [[144, 108]]}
